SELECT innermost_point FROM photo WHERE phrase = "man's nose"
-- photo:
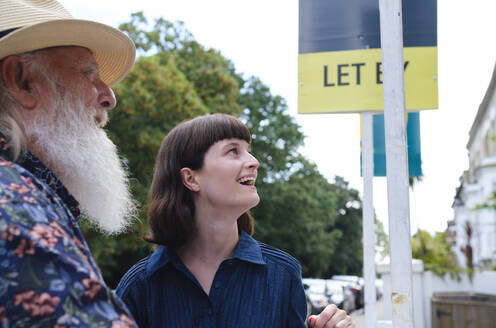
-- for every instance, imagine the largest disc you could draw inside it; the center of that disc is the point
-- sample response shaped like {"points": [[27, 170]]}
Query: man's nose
{"points": [[106, 98]]}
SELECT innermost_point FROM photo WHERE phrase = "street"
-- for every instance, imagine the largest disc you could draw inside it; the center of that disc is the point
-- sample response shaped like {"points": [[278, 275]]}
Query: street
{"points": [[359, 317]]}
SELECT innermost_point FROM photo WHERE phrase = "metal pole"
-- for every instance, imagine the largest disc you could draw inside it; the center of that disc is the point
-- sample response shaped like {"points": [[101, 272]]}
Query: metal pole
{"points": [[396, 162], [368, 220]]}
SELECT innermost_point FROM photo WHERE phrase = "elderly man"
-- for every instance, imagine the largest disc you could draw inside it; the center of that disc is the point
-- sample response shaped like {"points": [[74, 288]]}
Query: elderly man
{"points": [[56, 163]]}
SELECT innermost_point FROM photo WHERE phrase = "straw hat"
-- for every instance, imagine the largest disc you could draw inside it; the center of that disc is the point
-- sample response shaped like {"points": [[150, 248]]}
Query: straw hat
{"points": [[27, 25]]}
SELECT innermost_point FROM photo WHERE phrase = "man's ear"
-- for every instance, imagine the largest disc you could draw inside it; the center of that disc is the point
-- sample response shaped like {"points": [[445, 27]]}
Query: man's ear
{"points": [[189, 179], [17, 80]]}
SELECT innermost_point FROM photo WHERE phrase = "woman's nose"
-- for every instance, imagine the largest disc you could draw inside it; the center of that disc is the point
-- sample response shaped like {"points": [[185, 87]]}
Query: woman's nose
{"points": [[252, 161]]}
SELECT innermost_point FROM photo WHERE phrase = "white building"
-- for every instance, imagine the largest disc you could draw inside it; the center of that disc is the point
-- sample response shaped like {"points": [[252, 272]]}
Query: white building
{"points": [[477, 185]]}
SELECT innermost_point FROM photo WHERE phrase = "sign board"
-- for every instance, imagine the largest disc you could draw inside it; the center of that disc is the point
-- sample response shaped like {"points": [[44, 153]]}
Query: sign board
{"points": [[413, 144], [339, 61]]}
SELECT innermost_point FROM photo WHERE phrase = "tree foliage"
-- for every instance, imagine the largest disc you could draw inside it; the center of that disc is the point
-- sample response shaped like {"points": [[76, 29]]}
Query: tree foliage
{"points": [[298, 215], [490, 203], [276, 136], [348, 257], [176, 78], [381, 239], [436, 253]]}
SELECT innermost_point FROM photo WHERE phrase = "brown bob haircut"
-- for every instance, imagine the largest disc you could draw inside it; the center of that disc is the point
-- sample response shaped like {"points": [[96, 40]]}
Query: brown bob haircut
{"points": [[171, 208]]}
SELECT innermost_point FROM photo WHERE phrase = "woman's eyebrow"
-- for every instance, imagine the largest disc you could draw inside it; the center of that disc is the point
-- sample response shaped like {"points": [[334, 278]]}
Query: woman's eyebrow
{"points": [[234, 143]]}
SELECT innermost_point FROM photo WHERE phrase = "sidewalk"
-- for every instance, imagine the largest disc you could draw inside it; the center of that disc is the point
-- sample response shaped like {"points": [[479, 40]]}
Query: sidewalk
{"points": [[359, 316]]}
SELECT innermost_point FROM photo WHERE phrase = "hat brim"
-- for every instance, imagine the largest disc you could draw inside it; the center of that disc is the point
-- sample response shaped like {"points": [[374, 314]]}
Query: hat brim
{"points": [[113, 50]]}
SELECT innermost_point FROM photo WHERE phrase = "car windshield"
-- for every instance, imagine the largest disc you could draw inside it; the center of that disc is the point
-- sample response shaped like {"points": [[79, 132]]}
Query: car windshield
{"points": [[334, 289], [354, 279], [315, 286]]}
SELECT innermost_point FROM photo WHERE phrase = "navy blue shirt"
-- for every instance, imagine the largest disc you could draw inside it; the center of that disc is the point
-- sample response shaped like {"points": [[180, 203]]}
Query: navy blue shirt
{"points": [[260, 286]]}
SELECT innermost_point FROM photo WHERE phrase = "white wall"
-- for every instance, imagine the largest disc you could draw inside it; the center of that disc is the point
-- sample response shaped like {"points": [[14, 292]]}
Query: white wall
{"points": [[425, 284], [482, 282], [482, 221], [479, 187], [417, 299]]}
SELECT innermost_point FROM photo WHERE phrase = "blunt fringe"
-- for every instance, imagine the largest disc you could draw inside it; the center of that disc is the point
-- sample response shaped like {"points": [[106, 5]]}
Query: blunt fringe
{"points": [[171, 209]]}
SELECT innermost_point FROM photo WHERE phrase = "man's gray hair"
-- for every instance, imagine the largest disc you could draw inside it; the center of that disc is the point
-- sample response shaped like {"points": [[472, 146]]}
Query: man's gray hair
{"points": [[8, 122], [10, 118]]}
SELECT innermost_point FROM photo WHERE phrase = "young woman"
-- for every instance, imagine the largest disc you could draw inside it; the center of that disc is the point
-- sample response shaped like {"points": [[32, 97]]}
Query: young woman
{"points": [[208, 271]]}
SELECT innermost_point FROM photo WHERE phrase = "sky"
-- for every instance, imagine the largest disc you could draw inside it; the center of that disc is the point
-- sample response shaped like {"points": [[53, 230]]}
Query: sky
{"points": [[261, 38]]}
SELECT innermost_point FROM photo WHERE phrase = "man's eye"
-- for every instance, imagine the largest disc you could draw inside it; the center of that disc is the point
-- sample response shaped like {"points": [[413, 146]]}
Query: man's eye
{"points": [[233, 151], [88, 72]]}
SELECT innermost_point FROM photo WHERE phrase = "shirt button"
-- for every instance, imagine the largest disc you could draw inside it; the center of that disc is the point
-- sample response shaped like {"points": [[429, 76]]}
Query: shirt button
{"points": [[217, 285]]}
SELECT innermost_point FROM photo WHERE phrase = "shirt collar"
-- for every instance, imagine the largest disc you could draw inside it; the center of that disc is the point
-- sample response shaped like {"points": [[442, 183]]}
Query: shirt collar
{"points": [[34, 165], [247, 250]]}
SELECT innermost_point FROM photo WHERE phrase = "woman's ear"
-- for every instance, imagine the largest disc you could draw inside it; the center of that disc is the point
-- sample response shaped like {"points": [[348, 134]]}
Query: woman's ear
{"points": [[16, 78], [189, 179]]}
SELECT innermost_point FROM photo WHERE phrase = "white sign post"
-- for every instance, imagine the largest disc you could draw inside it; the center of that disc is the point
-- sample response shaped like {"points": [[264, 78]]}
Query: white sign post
{"points": [[368, 220], [396, 162]]}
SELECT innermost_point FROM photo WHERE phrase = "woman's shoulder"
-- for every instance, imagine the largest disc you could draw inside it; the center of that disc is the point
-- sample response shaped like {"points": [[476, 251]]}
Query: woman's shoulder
{"points": [[136, 273], [280, 258]]}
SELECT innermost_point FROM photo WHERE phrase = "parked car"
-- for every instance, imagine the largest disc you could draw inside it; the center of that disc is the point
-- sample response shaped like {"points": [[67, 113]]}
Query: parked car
{"points": [[317, 295], [379, 288], [340, 294], [355, 284]]}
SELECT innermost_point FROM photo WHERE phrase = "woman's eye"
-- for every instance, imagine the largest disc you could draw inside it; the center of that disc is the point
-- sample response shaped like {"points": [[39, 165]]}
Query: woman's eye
{"points": [[233, 151]]}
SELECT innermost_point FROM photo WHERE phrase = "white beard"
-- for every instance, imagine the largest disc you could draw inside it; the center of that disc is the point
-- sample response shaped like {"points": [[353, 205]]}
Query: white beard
{"points": [[67, 139]]}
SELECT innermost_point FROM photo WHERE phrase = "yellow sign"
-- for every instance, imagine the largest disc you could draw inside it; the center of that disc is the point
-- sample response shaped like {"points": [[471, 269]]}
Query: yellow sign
{"points": [[351, 81]]}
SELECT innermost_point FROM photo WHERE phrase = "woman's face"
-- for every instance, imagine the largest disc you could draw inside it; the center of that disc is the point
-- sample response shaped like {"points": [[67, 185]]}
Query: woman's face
{"points": [[227, 178]]}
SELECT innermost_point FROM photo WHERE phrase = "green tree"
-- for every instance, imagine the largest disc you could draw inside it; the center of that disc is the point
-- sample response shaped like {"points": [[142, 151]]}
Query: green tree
{"points": [[176, 78], [348, 259], [298, 216], [212, 75], [300, 211], [152, 100], [276, 135], [490, 203], [436, 253], [381, 239]]}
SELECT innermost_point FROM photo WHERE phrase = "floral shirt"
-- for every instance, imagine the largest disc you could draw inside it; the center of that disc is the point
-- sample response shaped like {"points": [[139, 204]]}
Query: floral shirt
{"points": [[48, 277]]}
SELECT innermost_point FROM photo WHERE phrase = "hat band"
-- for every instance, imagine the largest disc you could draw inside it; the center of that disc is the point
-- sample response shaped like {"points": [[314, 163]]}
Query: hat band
{"points": [[4, 33]]}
